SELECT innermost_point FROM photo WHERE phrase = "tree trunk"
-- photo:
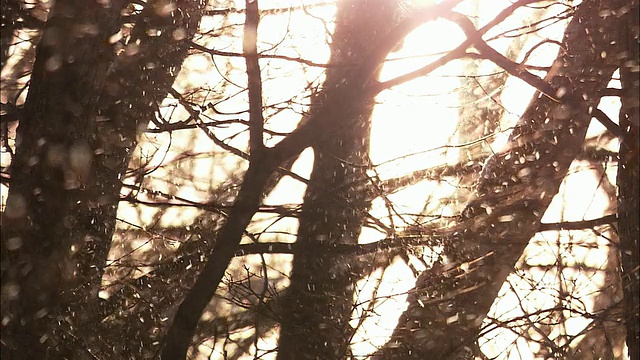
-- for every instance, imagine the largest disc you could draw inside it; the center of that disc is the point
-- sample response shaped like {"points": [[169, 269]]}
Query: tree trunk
{"points": [[128, 102], [447, 306], [49, 216], [81, 117], [336, 203], [330, 118], [627, 180]]}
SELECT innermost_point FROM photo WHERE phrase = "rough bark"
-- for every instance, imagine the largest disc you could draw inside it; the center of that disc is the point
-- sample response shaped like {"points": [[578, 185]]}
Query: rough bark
{"points": [[46, 219], [321, 124], [137, 83], [315, 324], [81, 117], [447, 306], [628, 178]]}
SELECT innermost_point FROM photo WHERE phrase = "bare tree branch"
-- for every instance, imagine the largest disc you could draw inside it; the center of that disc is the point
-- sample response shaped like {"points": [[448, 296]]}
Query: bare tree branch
{"points": [[513, 192]]}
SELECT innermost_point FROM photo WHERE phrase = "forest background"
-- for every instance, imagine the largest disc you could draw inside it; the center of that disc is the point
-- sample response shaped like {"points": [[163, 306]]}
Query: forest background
{"points": [[319, 179]]}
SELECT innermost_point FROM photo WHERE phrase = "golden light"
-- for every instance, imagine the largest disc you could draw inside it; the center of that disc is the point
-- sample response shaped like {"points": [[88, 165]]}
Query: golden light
{"points": [[415, 127]]}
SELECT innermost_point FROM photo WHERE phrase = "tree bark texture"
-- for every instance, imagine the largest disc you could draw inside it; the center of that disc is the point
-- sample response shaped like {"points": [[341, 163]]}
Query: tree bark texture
{"points": [[84, 109], [315, 324], [331, 117], [48, 216], [447, 306], [136, 85], [628, 178]]}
